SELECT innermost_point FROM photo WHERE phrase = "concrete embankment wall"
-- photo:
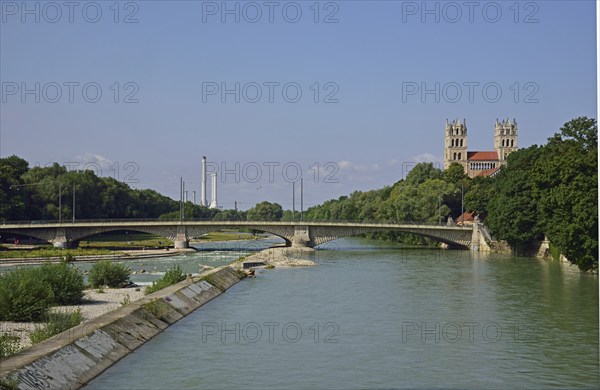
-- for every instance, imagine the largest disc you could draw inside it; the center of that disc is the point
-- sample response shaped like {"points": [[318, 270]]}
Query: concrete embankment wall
{"points": [[71, 359]]}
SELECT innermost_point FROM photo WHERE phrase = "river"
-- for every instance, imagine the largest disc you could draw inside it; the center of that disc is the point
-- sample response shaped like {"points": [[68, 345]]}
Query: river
{"points": [[373, 315]]}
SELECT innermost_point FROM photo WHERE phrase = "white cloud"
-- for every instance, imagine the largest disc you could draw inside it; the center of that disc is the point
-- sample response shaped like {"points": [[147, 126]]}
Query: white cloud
{"points": [[426, 157], [349, 166], [95, 162]]}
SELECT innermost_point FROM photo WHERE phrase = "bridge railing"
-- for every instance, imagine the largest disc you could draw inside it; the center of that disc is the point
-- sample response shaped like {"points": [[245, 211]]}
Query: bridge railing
{"points": [[41, 223]]}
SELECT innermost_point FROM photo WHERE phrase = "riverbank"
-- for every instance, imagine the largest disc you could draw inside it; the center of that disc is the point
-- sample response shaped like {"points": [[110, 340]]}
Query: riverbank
{"points": [[95, 303], [280, 257], [121, 255], [71, 359]]}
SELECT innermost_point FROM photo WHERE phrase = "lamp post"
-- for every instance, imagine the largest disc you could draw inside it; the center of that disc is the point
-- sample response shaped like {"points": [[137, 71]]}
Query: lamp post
{"points": [[439, 209], [462, 205], [180, 198], [17, 186], [59, 202], [73, 203], [301, 199], [293, 200]]}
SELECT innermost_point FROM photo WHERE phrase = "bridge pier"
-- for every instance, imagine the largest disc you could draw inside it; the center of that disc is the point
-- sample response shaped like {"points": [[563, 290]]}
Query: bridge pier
{"points": [[478, 242], [60, 240], [181, 239], [302, 237], [181, 244]]}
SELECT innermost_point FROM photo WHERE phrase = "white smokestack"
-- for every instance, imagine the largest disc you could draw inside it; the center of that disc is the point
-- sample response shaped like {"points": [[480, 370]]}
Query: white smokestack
{"points": [[203, 193], [213, 200]]}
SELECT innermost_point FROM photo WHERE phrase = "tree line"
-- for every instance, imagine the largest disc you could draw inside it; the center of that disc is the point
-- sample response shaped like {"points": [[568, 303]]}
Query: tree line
{"points": [[543, 191]]}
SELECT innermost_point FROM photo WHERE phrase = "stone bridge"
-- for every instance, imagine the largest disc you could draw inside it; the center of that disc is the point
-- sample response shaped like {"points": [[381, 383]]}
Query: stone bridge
{"points": [[303, 234]]}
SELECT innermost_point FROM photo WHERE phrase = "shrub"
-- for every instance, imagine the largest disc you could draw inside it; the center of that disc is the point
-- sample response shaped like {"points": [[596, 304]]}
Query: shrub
{"points": [[9, 345], [24, 296], [172, 276], [66, 282], [107, 273], [158, 308], [56, 323]]}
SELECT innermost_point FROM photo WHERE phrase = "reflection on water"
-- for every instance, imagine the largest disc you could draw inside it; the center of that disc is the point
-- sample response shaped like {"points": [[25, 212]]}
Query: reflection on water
{"points": [[385, 318]]}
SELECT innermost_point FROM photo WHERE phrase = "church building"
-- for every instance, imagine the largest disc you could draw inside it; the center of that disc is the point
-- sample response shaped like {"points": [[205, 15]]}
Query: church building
{"points": [[479, 163]]}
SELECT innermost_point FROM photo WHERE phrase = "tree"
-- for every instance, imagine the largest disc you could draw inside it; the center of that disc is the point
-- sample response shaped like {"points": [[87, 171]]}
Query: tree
{"points": [[479, 194], [265, 211], [513, 209], [12, 196], [422, 172], [455, 174], [567, 183]]}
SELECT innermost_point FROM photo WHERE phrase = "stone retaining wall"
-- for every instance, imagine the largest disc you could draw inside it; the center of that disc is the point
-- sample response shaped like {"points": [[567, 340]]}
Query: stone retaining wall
{"points": [[71, 359]]}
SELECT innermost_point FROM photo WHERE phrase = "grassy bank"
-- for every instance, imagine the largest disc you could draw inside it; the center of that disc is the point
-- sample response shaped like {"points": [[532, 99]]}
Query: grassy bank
{"points": [[114, 242], [48, 251], [122, 240]]}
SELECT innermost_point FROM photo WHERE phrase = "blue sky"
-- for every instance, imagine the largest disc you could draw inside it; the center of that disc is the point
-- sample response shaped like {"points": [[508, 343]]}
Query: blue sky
{"points": [[539, 55]]}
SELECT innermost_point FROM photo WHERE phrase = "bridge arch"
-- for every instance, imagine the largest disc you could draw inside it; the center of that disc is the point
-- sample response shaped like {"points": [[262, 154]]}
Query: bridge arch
{"points": [[293, 233], [321, 235]]}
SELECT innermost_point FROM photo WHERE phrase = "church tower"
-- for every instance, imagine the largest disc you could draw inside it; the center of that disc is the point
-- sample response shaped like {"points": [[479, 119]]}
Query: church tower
{"points": [[505, 138], [455, 147]]}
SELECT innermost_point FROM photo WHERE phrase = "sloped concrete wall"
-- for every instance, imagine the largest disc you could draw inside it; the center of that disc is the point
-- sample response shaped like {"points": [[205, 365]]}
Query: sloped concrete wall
{"points": [[71, 359]]}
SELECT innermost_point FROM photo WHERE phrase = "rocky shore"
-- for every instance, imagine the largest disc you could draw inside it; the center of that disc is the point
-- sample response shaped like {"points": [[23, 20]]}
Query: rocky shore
{"points": [[280, 257]]}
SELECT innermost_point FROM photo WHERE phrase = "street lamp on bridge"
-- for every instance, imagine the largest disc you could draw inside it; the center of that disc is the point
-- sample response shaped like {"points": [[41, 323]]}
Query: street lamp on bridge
{"points": [[17, 186]]}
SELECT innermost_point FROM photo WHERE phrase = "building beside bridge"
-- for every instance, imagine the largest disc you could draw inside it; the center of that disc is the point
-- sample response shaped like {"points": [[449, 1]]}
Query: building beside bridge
{"points": [[479, 163]]}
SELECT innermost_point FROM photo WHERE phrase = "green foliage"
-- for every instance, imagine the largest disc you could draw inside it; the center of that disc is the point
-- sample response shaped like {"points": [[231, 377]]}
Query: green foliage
{"points": [[66, 282], [513, 209], [552, 190], [554, 251], [422, 172], [107, 273], [158, 308], [265, 211], [455, 174], [567, 185], [27, 293], [24, 296], [12, 197], [52, 252], [480, 192], [172, 276], [32, 194], [56, 323], [9, 383], [9, 345], [426, 196]]}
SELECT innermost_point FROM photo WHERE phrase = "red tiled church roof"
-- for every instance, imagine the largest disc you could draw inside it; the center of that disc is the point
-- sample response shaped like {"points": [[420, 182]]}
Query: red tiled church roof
{"points": [[482, 156]]}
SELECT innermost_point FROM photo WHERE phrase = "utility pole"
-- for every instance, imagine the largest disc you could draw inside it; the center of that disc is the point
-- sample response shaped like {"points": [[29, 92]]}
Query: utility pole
{"points": [[439, 209], [184, 195], [73, 203], [59, 202], [301, 199], [293, 200], [180, 198], [462, 204], [194, 193]]}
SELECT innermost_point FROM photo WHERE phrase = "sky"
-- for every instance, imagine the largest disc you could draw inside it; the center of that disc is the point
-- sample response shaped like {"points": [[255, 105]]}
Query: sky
{"points": [[348, 95]]}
